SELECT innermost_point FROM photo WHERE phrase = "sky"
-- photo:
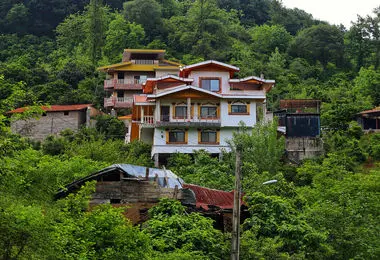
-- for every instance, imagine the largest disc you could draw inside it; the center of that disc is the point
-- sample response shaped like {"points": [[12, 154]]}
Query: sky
{"points": [[335, 11]]}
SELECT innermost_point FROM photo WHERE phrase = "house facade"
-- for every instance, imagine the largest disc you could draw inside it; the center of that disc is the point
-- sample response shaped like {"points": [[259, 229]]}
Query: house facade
{"points": [[126, 79], [370, 119], [197, 110], [54, 119], [299, 121]]}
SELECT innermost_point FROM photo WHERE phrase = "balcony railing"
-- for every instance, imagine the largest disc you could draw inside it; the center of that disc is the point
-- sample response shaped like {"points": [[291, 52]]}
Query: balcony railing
{"points": [[123, 84], [145, 62], [148, 121], [118, 102]]}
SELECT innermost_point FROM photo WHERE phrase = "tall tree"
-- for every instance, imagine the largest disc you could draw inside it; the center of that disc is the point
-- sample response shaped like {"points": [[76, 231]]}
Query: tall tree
{"points": [[148, 13], [321, 42], [95, 29]]}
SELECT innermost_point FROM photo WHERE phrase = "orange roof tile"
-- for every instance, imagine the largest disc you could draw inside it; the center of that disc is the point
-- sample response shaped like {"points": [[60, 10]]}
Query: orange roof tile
{"points": [[55, 108]]}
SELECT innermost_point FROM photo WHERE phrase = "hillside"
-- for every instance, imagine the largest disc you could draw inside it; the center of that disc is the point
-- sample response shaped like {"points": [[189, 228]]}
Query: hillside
{"points": [[325, 208]]}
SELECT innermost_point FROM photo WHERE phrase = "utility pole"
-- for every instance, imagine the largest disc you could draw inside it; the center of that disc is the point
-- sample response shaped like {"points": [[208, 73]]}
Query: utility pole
{"points": [[235, 241]]}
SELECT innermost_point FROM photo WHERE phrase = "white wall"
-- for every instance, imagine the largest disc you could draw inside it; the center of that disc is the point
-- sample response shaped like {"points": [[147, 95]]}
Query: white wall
{"points": [[233, 120], [220, 74], [161, 73], [160, 146]]}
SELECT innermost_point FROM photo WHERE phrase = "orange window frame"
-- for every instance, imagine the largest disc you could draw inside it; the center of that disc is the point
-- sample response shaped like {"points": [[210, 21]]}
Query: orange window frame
{"points": [[211, 78]]}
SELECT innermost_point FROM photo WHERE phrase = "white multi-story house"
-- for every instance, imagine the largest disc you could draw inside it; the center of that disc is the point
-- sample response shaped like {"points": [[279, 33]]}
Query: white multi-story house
{"points": [[199, 109]]}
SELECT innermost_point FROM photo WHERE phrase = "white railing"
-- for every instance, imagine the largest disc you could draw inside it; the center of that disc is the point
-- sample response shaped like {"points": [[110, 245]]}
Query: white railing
{"points": [[144, 61], [149, 120], [130, 81], [108, 82], [112, 82], [124, 99]]}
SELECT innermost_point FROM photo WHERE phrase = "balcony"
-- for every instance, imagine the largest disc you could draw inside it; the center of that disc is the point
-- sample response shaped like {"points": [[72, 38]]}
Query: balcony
{"points": [[145, 62], [123, 84], [148, 122], [118, 102]]}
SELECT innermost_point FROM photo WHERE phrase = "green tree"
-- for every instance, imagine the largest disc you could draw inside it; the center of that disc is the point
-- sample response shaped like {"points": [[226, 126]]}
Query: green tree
{"points": [[148, 14], [24, 230], [95, 29], [110, 126], [120, 35], [266, 38], [276, 221], [260, 146], [294, 20], [321, 42], [171, 229]]}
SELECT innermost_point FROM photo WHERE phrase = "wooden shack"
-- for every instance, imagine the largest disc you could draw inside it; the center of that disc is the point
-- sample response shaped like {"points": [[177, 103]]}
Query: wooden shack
{"points": [[140, 188]]}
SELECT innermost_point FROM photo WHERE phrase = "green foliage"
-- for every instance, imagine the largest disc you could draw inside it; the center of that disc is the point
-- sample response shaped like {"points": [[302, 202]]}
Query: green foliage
{"points": [[24, 230], [146, 13], [171, 229], [122, 35], [324, 209], [110, 126], [276, 218], [265, 39], [203, 170], [345, 208], [54, 145], [260, 146], [320, 42]]}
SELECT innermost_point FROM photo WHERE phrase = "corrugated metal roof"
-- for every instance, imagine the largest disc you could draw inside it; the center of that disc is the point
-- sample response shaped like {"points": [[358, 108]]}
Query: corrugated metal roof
{"points": [[171, 181], [55, 108], [164, 178], [206, 197]]}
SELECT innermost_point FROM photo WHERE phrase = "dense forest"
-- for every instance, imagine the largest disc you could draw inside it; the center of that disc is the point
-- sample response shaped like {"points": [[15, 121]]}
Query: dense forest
{"points": [[325, 208]]}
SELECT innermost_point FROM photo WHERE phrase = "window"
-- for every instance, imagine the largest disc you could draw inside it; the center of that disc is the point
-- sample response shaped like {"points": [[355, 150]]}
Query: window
{"points": [[177, 136], [208, 136], [140, 79], [180, 112], [65, 113], [239, 109], [210, 84], [208, 112]]}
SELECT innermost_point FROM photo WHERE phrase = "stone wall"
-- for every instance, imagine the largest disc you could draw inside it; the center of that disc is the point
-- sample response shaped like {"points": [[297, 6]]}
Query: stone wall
{"points": [[50, 123], [299, 148]]}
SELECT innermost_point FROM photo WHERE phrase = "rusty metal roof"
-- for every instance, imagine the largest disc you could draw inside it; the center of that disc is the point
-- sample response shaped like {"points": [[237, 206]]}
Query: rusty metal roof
{"points": [[206, 198]]}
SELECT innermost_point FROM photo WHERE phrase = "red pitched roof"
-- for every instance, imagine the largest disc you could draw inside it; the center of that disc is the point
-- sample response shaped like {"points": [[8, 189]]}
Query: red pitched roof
{"points": [[185, 71], [206, 197], [55, 108], [374, 110]]}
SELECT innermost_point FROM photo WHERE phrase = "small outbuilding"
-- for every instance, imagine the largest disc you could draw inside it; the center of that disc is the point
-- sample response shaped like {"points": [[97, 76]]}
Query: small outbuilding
{"points": [[140, 188], [299, 121], [370, 119], [53, 120]]}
